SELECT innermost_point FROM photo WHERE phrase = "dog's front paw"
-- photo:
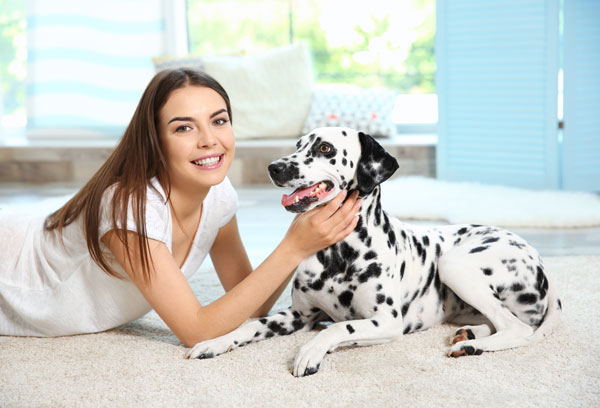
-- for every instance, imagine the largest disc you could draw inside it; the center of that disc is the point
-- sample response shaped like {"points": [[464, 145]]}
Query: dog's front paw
{"points": [[209, 348], [309, 359]]}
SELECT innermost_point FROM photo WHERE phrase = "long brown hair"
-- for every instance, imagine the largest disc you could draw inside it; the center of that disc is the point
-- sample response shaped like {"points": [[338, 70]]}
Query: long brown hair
{"points": [[135, 161]]}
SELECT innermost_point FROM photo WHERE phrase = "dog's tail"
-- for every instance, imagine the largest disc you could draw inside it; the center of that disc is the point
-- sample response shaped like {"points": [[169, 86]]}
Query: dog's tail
{"points": [[552, 317]]}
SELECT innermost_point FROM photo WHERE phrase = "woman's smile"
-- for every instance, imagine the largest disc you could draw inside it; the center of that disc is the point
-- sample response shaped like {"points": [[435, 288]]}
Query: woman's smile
{"points": [[209, 162]]}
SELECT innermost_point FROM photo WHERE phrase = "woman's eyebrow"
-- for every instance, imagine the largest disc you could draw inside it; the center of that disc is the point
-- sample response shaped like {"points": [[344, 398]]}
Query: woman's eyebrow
{"points": [[182, 119], [190, 119], [218, 113]]}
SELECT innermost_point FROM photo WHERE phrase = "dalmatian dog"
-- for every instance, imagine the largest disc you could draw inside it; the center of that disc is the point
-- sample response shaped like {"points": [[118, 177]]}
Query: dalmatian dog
{"points": [[388, 278]]}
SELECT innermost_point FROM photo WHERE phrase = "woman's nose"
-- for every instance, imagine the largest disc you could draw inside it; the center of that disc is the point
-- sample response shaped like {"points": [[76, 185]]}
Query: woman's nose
{"points": [[206, 138]]}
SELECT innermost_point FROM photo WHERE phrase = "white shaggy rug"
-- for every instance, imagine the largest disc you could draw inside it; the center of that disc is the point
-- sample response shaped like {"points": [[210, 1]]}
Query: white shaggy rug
{"points": [[473, 203], [141, 365]]}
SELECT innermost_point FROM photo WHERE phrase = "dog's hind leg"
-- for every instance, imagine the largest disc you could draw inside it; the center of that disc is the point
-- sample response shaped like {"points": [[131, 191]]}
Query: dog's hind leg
{"points": [[475, 326], [461, 274], [282, 323], [347, 333]]}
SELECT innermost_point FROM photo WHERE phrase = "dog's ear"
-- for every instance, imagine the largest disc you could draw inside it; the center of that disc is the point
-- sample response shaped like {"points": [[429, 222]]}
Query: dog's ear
{"points": [[375, 165]]}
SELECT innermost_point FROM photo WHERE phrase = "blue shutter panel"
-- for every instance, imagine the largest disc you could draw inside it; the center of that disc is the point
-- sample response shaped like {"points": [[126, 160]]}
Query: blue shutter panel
{"points": [[581, 159], [497, 68]]}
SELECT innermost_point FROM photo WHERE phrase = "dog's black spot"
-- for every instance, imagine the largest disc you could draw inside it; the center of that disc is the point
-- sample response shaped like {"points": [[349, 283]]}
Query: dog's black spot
{"points": [[317, 284], [402, 268], [490, 240], [541, 282], [391, 238], [389, 301], [375, 323], [407, 329], [418, 327], [487, 271], [373, 271], [438, 250], [478, 249], [462, 231], [527, 298], [345, 298], [426, 240], [380, 298], [350, 328], [308, 161], [263, 320], [278, 328], [516, 244], [394, 313], [429, 279], [344, 133], [404, 309], [370, 255], [517, 287], [344, 162], [332, 162]]}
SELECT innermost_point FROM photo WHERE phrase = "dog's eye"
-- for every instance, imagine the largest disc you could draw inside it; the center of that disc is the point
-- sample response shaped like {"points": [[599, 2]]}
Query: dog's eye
{"points": [[324, 148]]}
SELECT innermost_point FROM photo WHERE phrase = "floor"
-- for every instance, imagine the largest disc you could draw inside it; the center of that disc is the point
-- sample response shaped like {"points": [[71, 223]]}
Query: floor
{"points": [[263, 222]]}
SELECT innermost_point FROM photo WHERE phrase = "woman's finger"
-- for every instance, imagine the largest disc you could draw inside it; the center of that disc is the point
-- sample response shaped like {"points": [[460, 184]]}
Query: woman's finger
{"points": [[324, 213]]}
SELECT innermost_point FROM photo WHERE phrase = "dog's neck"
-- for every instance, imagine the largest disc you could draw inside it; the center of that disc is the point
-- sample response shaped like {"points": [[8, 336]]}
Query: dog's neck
{"points": [[371, 206]]}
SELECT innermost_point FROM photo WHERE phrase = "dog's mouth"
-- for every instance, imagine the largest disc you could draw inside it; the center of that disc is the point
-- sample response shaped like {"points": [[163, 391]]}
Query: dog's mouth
{"points": [[302, 197]]}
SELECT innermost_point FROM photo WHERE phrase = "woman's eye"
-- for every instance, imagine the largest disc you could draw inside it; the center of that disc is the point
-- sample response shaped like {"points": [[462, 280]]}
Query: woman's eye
{"points": [[183, 128], [220, 121], [324, 148]]}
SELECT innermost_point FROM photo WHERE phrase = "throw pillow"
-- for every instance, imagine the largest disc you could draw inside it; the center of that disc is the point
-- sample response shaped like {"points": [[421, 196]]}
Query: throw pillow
{"points": [[366, 110]]}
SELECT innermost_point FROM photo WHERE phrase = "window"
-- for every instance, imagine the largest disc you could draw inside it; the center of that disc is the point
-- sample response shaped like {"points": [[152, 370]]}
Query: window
{"points": [[13, 60], [368, 44]]}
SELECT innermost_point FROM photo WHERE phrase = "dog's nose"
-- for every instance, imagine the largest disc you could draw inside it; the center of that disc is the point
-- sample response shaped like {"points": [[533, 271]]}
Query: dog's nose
{"points": [[276, 168]]}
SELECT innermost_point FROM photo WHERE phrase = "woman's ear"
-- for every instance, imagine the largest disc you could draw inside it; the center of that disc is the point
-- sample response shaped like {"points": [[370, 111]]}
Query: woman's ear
{"points": [[375, 165]]}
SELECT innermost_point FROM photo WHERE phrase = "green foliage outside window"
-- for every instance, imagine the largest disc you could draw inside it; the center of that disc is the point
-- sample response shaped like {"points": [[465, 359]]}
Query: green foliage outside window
{"points": [[13, 55], [376, 50]]}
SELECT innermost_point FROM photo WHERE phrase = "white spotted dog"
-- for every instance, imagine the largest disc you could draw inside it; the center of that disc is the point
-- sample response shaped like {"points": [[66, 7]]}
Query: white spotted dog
{"points": [[388, 278]]}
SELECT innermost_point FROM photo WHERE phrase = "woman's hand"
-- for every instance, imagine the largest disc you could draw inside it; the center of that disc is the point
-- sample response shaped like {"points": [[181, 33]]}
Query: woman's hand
{"points": [[323, 226]]}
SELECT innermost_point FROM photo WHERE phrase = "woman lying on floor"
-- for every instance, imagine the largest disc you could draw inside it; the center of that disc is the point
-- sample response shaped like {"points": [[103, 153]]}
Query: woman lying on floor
{"points": [[131, 238]]}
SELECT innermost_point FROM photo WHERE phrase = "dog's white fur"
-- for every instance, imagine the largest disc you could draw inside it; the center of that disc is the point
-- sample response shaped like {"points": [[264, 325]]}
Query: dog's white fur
{"points": [[389, 278]]}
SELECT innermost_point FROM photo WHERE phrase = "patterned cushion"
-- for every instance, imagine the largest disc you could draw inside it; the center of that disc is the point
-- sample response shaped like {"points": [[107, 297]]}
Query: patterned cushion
{"points": [[366, 110]]}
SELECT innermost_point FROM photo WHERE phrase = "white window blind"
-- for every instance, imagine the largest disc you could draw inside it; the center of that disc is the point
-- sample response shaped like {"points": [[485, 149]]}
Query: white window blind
{"points": [[88, 66]]}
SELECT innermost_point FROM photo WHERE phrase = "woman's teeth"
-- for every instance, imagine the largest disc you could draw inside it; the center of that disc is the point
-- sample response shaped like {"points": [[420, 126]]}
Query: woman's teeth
{"points": [[208, 162]]}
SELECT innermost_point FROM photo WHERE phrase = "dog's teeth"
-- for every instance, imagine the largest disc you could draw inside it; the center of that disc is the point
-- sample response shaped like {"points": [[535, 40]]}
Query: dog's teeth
{"points": [[296, 199], [322, 185]]}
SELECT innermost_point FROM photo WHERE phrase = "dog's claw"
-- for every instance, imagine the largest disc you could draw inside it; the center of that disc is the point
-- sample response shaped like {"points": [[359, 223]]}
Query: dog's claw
{"points": [[311, 370]]}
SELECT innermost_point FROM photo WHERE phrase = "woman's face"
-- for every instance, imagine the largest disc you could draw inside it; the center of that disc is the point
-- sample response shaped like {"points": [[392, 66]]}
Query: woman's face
{"points": [[197, 137]]}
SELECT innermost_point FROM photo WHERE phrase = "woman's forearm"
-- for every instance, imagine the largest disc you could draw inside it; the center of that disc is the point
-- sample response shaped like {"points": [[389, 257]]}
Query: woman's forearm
{"points": [[251, 297]]}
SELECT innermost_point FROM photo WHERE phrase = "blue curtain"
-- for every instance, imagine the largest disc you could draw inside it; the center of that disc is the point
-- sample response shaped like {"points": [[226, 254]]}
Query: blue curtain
{"points": [[497, 70], [581, 159]]}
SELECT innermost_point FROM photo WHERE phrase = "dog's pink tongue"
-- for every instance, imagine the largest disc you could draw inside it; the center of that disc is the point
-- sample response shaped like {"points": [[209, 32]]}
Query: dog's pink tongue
{"points": [[288, 200]]}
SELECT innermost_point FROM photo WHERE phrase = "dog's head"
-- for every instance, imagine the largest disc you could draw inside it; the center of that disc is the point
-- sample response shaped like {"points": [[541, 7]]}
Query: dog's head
{"points": [[327, 161]]}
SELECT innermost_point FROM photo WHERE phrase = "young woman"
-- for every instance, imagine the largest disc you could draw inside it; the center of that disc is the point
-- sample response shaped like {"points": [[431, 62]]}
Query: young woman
{"points": [[132, 236]]}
